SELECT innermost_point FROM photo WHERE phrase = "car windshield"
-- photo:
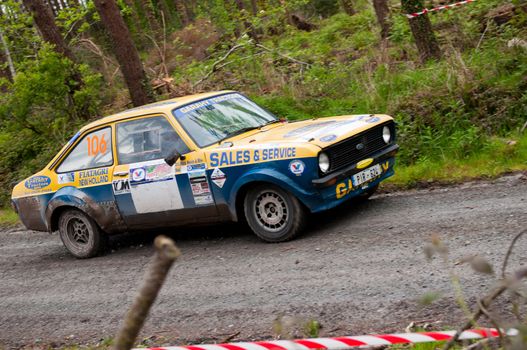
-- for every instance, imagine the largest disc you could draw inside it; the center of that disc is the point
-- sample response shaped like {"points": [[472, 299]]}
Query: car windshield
{"points": [[217, 118]]}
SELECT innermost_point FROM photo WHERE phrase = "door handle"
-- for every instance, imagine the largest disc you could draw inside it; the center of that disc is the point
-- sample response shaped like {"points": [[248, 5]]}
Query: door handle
{"points": [[120, 173]]}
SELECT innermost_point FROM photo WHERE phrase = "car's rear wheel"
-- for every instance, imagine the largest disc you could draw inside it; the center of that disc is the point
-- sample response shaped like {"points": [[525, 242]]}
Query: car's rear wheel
{"points": [[81, 236], [273, 214]]}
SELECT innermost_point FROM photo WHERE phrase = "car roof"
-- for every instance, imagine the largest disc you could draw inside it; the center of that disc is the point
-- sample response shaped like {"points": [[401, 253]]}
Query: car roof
{"points": [[152, 108]]}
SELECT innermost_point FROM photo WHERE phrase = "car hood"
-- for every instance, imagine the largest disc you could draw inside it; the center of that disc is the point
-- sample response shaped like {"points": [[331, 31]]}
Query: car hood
{"points": [[321, 132]]}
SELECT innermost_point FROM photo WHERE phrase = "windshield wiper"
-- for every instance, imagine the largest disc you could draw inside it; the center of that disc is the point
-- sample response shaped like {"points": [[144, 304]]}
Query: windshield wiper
{"points": [[249, 128], [238, 132], [270, 122]]}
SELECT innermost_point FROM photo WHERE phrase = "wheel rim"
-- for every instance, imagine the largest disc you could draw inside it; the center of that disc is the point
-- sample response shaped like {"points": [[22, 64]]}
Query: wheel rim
{"points": [[271, 211], [78, 232]]}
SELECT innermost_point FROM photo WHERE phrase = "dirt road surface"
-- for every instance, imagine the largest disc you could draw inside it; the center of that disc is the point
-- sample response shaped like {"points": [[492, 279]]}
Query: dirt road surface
{"points": [[359, 268]]}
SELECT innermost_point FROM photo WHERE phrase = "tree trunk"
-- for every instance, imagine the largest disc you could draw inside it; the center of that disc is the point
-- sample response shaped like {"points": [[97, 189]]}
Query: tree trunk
{"points": [[5, 71], [347, 6], [422, 32], [382, 12], [254, 7], [190, 7], [301, 23], [168, 14], [45, 22], [125, 52], [248, 26], [5, 58], [133, 13], [54, 7], [150, 14], [63, 4], [73, 3], [183, 12]]}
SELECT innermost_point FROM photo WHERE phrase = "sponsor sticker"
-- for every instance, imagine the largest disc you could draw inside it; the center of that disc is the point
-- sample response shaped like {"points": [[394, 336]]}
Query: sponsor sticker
{"points": [[372, 120], [218, 177], [199, 184], [93, 177], [240, 157], [138, 174], [37, 182], [65, 178], [121, 186], [158, 171], [328, 138], [193, 167], [297, 167]]}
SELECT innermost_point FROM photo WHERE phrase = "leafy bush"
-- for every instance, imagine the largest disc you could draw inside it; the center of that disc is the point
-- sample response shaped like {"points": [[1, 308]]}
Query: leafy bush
{"points": [[44, 108]]}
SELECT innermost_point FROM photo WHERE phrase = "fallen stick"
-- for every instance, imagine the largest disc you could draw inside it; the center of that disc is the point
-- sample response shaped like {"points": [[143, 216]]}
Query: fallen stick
{"points": [[166, 254]]}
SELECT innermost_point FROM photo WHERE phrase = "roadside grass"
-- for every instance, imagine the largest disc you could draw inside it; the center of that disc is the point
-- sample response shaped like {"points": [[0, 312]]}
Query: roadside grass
{"points": [[497, 157], [422, 346], [8, 217]]}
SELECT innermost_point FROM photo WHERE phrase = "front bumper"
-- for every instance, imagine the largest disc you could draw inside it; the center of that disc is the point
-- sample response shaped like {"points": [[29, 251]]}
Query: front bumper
{"points": [[333, 178], [343, 190]]}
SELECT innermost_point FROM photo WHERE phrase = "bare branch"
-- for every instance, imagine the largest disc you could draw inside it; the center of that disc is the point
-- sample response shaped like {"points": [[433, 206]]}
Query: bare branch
{"points": [[94, 48], [215, 64], [219, 63], [161, 55], [492, 320], [485, 302], [483, 34], [509, 252], [166, 254], [284, 56], [483, 343], [523, 128]]}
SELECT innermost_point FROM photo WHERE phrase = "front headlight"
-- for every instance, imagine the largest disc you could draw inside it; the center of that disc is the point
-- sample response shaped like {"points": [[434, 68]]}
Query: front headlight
{"points": [[386, 134], [323, 162]]}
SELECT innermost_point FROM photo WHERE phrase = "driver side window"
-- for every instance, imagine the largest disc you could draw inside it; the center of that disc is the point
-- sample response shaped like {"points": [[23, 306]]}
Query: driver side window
{"points": [[147, 139], [93, 151]]}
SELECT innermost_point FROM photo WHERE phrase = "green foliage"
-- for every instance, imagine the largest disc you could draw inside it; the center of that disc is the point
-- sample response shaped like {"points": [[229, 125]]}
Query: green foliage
{"points": [[498, 156], [224, 17], [16, 26], [312, 329], [8, 217], [44, 95], [43, 108]]}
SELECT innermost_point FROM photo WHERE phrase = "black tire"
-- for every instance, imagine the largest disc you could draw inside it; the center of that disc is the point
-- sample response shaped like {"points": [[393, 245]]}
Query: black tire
{"points": [[285, 215], [363, 197], [81, 236]]}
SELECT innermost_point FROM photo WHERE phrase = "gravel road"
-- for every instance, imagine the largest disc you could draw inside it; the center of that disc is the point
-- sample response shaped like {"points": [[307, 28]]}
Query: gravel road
{"points": [[359, 268]]}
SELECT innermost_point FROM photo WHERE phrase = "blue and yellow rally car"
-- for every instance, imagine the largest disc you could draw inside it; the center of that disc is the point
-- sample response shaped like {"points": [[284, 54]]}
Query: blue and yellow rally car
{"points": [[203, 159]]}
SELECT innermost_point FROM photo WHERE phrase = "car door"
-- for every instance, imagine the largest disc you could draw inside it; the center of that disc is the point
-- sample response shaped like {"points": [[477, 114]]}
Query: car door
{"points": [[149, 192]]}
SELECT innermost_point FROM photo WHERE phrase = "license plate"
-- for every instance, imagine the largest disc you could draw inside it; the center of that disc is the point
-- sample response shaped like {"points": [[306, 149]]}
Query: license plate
{"points": [[366, 175]]}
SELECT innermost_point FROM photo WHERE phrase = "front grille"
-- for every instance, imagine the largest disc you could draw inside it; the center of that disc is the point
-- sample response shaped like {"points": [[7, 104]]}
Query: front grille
{"points": [[346, 153]]}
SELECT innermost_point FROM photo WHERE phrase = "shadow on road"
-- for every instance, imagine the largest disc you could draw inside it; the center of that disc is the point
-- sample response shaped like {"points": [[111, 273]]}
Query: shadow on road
{"points": [[238, 232]]}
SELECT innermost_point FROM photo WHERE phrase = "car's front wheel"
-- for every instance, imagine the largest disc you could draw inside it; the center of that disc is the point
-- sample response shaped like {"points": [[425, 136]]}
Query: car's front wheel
{"points": [[81, 236], [273, 214]]}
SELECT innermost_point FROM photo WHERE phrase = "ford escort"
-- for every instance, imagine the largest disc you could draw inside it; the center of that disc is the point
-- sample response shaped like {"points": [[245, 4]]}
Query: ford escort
{"points": [[205, 158]]}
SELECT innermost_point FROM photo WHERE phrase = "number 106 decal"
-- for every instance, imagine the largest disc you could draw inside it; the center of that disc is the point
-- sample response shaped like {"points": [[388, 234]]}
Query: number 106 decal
{"points": [[96, 145]]}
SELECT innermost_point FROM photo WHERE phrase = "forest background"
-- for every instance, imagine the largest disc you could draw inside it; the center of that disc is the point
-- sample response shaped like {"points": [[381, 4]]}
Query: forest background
{"points": [[455, 80]]}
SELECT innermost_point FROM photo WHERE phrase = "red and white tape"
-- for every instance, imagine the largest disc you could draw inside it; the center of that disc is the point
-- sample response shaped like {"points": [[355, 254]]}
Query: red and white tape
{"points": [[438, 8], [343, 343]]}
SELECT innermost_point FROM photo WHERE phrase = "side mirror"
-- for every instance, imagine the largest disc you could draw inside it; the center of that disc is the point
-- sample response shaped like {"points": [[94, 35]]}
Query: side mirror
{"points": [[173, 157]]}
